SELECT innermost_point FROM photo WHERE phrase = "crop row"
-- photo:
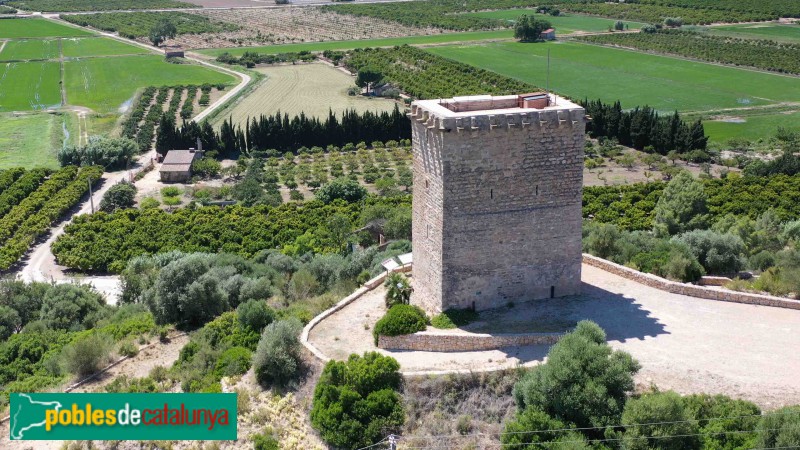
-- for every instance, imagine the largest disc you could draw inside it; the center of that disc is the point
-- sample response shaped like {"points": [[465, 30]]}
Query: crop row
{"points": [[148, 110], [138, 24], [424, 75], [9, 176], [761, 54], [657, 13], [21, 188], [52, 204], [95, 5], [776, 8]]}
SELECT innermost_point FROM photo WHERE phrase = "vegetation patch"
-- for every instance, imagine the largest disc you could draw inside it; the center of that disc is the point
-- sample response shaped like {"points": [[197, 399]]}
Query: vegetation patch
{"points": [[95, 5], [30, 140], [29, 86], [399, 320], [22, 50], [138, 24], [454, 318], [98, 46], [37, 28]]}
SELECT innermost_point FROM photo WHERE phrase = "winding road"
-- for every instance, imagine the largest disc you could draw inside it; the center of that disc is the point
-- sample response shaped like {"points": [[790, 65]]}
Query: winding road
{"points": [[41, 265]]}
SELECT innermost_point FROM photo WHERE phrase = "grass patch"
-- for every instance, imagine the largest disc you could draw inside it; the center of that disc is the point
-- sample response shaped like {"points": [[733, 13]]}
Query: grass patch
{"points": [[29, 49], [138, 24], [751, 126], [667, 84], [103, 85], [564, 24], [98, 47], [347, 45], [774, 31], [312, 89], [30, 140], [453, 318], [36, 28], [29, 86]]}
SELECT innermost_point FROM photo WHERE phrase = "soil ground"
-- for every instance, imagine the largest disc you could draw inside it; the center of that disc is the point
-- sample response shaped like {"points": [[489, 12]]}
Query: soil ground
{"points": [[685, 344]]}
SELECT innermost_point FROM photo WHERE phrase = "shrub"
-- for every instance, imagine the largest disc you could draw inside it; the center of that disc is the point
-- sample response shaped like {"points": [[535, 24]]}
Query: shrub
{"points": [[87, 354], [399, 320], [71, 307], [453, 318], [356, 403], [724, 423], [128, 348], [398, 290], [718, 253], [341, 188], [233, 361], [255, 314], [265, 441], [277, 358], [149, 203], [120, 196], [665, 415]]}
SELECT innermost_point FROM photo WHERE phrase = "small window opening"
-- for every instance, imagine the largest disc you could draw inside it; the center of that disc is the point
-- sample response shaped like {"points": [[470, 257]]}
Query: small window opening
{"points": [[537, 189], [491, 193], [552, 291]]}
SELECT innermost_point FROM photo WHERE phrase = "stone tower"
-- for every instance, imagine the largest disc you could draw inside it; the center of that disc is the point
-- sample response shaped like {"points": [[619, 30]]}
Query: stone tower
{"points": [[497, 200]]}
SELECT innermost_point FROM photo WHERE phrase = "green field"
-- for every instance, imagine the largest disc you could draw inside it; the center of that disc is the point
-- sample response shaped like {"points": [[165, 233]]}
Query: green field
{"points": [[30, 140], [751, 126], [347, 45], [29, 49], [104, 84], [580, 71], [98, 47], [563, 24], [36, 28], [768, 30], [27, 86]]}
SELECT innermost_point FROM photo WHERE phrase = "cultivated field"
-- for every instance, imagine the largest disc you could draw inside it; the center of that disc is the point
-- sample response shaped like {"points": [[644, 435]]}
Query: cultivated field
{"points": [[751, 125], [104, 85], [289, 25], [35, 28], [22, 50], [431, 39], [84, 47], [581, 71], [781, 32], [563, 24], [311, 88], [29, 140], [29, 86]]}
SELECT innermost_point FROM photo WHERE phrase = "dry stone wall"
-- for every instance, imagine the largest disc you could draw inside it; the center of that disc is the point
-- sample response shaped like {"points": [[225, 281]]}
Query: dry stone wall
{"points": [[428, 341], [689, 289]]}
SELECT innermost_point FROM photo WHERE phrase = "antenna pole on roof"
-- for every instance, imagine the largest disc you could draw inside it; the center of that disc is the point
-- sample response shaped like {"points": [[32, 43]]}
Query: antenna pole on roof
{"points": [[547, 86]]}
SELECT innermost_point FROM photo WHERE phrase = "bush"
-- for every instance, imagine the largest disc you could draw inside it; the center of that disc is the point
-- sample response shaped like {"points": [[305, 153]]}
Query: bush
{"points": [[88, 354], [718, 253], [398, 290], [666, 416], [400, 319], [277, 358], [128, 348], [120, 196], [779, 429], [453, 318], [233, 361], [265, 442], [71, 307], [341, 188], [356, 403], [255, 314], [724, 423]]}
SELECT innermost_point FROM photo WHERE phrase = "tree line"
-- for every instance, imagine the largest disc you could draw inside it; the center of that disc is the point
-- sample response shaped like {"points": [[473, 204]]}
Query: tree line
{"points": [[643, 128]]}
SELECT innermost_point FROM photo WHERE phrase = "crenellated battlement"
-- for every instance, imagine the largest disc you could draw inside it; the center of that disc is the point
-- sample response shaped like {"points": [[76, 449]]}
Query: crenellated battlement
{"points": [[487, 113]]}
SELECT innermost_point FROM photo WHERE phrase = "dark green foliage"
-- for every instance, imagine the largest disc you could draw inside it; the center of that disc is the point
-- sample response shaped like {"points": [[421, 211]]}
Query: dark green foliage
{"points": [[277, 359], [453, 318], [250, 59], [779, 428], [529, 28], [682, 206], [724, 422], [400, 319], [120, 196], [668, 416], [233, 361], [643, 127], [533, 429], [255, 314], [368, 75], [718, 253], [423, 75], [591, 379], [9, 321], [96, 5], [436, 13], [341, 188], [137, 24], [265, 442], [761, 54], [111, 153], [105, 242], [356, 403], [71, 307], [162, 30]]}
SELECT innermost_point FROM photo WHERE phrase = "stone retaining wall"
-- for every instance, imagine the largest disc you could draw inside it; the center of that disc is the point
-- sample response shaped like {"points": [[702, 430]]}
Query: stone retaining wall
{"points": [[433, 341], [690, 290]]}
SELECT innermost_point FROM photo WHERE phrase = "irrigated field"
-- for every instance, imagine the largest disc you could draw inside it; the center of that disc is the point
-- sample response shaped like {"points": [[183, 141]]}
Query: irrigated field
{"points": [[312, 89], [29, 140], [563, 24], [780, 32], [36, 28], [98, 47], [364, 43], [104, 84], [667, 84], [29, 49], [30, 85], [751, 126]]}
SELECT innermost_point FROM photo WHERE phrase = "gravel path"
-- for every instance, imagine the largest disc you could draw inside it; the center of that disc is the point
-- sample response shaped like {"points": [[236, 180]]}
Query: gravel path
{"points": [[686, 344]]}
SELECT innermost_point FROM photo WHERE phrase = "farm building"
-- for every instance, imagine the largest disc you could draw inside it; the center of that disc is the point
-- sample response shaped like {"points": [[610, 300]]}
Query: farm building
{"points": [[177, 165], [549, 34], [173, 52]]}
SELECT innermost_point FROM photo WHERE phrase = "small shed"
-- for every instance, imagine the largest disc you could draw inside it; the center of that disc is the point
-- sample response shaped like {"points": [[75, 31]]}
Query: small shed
{"points": [[173, 52], [177, 165], [549, 34]]}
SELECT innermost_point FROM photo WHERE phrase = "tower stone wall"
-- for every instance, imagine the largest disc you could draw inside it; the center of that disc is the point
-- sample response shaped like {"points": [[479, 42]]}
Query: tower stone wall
{"points": [[497, 201]]}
